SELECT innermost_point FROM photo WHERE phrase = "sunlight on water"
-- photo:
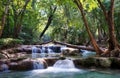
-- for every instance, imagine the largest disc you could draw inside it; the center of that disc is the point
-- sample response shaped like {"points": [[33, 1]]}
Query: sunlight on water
{"points": [[59, 73]]}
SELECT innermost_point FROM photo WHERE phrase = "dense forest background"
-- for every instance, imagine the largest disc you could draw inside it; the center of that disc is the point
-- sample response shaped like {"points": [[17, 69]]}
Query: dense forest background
{"points": [[36, 21]]}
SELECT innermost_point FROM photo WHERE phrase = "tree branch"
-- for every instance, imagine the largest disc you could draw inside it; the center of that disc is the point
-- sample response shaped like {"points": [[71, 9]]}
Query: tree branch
{"points": [[50, 18], [103, 9]]}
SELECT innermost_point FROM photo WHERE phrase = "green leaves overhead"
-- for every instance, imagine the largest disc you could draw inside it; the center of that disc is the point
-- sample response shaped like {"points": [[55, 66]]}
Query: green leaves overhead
{"points": [[66, 19]]}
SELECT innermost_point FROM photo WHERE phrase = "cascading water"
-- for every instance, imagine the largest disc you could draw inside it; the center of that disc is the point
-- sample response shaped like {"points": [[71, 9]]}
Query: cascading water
{"points": [[38, 65], [4, 67], [50, 52], [61, 66], [86, 53], [62, 48], [34, 52], [64, 64], [43, 52]]}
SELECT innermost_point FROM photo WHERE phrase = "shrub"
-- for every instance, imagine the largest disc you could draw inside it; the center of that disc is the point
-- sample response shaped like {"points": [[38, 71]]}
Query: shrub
{"points": [[9, 42]]}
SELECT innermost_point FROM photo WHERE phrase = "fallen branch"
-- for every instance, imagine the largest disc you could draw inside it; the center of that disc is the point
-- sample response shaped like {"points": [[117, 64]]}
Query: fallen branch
{"points": [[74, 46]]}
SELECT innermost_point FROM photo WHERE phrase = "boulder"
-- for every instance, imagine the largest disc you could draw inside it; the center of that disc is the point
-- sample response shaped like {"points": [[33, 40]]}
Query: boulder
{"points": [[78, 62], [51, 61], [89, 62], [13, 66], [103, 62], [28, 64], [70, 52], [115, 62]]}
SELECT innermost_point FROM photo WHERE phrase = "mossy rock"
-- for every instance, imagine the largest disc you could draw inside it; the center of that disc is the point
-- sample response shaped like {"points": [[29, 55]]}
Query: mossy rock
{"points": [[105, 62], [115, 62], [89, 62], [78, 62]]}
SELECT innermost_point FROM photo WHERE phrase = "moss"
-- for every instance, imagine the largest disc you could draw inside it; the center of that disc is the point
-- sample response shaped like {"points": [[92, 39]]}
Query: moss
{"points": [[105, 62], [88, 62], [9, 42], [115, 62]]}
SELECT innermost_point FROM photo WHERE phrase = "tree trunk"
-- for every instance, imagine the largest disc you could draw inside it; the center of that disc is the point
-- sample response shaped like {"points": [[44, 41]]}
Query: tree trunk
{"points": [[109, 16], [18, 20], [50, 18], [93, 41]]}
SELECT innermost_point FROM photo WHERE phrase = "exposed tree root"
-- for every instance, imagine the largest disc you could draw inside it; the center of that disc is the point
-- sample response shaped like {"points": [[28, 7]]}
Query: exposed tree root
{"points": [[112, 53]]}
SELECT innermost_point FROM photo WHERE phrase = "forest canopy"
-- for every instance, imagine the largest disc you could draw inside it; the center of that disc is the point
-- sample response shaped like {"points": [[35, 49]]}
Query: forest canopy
{"points": [[81, 22]]}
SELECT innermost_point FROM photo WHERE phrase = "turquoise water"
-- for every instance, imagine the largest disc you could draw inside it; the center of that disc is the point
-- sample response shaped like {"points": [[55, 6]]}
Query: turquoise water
{"points": [[60, 73]]}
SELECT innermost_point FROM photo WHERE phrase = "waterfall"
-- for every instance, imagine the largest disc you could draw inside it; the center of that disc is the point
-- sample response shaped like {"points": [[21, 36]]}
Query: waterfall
{"points": [[38, 65], [60, 66], [34, 52], [42, 52], [62, 48], [50, 52], [64, 64]]}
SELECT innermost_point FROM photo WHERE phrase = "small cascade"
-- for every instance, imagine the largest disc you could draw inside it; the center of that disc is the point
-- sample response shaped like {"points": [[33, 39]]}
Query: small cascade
{"points": [[4, 67], [86, 53], [34, 52], [64, 64], [62, 48], [42, 52], [50, 52], [38, 65]]}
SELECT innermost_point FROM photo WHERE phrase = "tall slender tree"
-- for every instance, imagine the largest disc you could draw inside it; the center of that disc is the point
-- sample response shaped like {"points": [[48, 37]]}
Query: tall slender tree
{"points": [[93, 41], [109, 17]]}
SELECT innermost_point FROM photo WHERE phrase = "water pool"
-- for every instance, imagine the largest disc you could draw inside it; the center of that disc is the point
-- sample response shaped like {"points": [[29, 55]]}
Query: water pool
{"points": [[60, 73]]}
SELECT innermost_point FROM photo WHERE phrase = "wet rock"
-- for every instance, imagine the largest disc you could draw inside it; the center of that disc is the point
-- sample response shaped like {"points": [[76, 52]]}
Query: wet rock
{"points": [[89, 62], [103, 62], [78, 62], [25, 65], [13, 66], [4, 67], [28, 64], [70, 52], [51, 61], [115, 62]]}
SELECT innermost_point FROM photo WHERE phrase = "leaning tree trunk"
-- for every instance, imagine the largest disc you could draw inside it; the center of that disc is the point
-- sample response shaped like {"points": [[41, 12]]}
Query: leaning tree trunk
{"points": [[93, 41], [50, 18], [109, 16]]}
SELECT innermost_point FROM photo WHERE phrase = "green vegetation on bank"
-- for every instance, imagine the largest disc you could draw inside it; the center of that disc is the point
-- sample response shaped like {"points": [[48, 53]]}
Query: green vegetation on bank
{"points": [[9, 42]]}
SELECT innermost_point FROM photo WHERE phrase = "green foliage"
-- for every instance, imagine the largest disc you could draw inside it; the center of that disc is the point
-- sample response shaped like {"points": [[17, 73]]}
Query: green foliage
{"points": [[67, 24], [9, 42]]}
